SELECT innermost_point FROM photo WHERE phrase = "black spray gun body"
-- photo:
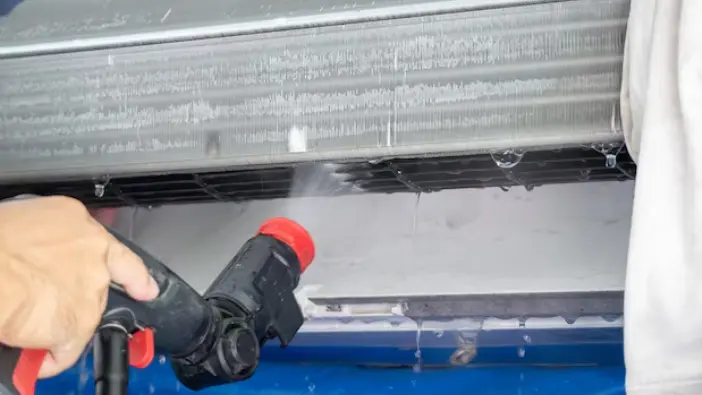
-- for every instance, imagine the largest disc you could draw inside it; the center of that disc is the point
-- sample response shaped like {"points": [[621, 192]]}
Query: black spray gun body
{"points": [[211, 339]]}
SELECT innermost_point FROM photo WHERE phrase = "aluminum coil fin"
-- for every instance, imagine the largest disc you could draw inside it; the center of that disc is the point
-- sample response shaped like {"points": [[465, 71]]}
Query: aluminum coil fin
{"points": [[432, 78]]}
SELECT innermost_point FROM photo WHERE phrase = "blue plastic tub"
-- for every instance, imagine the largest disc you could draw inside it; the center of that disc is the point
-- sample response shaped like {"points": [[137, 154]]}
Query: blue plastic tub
{"points": [[593, 370]]}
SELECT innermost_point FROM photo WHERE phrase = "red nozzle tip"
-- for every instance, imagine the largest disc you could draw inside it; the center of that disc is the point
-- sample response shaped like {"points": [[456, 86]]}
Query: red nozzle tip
{"points": [[292, 234], [141, 348]]}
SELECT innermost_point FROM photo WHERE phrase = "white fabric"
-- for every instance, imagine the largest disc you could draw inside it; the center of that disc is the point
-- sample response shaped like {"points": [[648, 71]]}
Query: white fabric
{"points": [[662, 120]]}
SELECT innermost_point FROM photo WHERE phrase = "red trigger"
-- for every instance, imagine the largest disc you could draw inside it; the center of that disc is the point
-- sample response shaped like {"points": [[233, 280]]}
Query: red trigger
{"points": [[141, 348]]}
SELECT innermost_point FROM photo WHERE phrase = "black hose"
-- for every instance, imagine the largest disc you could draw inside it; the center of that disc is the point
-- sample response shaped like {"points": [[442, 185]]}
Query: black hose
{"points": [[111, 361]]}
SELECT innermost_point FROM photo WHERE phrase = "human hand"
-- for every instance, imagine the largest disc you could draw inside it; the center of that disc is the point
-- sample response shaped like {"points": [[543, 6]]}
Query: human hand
{"points": [[56, 265]]}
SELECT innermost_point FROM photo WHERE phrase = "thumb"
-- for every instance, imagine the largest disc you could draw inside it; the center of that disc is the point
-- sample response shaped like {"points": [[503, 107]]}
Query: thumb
{"points": [[61, 358]]}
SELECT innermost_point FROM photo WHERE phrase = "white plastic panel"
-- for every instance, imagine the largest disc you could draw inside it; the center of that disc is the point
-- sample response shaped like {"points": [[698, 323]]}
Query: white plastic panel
{"points": [[562, 238]]}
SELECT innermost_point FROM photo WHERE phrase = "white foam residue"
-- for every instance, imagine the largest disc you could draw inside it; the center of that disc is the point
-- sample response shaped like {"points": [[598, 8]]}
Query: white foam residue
{"points": [[582, 322], [395, 324], [308, 308], [462, 324], [498, 323], [297, 139]]}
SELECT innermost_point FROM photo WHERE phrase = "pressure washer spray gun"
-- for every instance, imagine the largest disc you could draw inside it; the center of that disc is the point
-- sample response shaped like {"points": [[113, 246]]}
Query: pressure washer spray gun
{"points": [[212, 339]]}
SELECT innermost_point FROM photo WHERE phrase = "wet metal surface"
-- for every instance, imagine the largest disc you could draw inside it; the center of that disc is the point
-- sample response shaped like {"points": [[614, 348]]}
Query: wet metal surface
{"points": [[466, 81]]}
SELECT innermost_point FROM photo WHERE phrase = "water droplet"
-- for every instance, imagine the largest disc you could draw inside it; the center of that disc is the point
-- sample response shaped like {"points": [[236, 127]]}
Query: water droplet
{"points": [[84, 375], [311, 387], [99, 190], [439, 334], [417, 367], [527, 339], [418, 354], [610, 317], [83, 380], [152, 389], [508, 158], [416, 213], [611, 161], [161, 359], [521, 352]]}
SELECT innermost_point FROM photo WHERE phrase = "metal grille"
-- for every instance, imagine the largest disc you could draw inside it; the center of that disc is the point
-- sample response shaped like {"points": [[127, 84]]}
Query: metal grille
{"points": [[417, 175]]}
